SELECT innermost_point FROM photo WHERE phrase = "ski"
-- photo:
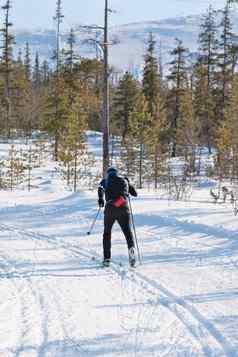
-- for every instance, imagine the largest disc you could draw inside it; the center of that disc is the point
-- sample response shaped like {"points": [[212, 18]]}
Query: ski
{"points": [[123, 266], [106, 263]]}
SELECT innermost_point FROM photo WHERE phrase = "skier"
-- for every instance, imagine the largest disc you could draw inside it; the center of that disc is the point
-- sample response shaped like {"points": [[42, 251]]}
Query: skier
{"points": [[116, 190]]}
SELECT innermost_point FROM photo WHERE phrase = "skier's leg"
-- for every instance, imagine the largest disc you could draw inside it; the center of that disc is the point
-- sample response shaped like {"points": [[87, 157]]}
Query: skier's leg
{"points": [[125, 224], [108, 223]]}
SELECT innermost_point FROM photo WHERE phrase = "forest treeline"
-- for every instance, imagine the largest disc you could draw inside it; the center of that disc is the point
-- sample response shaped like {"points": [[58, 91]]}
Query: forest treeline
{"points": [[170, 112]]}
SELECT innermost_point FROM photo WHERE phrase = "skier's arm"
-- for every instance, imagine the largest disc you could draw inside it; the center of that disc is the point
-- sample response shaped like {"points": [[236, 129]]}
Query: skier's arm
{"points": [[101, 190], [131, 189]]}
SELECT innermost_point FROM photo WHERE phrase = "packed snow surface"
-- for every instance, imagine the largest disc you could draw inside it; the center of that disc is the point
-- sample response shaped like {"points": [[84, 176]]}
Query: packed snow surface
{"points": [[57, 301]]}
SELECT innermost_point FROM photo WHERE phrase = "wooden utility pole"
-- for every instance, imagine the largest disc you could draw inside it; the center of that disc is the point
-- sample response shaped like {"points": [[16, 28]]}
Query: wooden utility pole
{"points": [[105, 106], [105, 120], [58, 18]]}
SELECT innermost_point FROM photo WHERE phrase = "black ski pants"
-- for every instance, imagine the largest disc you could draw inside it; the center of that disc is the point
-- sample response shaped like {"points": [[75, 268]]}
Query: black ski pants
{"points": [[122, 216]]}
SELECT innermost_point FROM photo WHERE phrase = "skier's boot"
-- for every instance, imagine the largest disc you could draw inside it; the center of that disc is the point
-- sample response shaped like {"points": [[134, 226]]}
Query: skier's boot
{"points": [[106, 263], [132, 257]]}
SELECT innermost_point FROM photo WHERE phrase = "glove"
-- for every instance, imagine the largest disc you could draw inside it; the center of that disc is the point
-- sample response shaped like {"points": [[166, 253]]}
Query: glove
{"points": [[101, 202], [132, 191]]}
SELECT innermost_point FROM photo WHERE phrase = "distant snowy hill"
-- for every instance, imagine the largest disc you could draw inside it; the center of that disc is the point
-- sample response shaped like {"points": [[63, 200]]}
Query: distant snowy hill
{"points": [[131, 40]]}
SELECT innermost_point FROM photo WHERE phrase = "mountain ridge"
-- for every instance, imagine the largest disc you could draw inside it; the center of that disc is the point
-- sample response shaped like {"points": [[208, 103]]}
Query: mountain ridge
{"points": [[131, 38]]}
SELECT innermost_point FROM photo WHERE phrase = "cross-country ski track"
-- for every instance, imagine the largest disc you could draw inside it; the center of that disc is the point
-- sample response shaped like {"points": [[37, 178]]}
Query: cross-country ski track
{"points": [[58, 301]]}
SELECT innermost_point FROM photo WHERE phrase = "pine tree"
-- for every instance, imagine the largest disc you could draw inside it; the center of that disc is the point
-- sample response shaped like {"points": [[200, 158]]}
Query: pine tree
{"points": [[72, 146], [14, 168]]}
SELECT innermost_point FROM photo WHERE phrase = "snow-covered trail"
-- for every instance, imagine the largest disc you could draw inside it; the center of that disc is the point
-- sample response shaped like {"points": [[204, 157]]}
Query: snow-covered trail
{"points": [[57, 301]]}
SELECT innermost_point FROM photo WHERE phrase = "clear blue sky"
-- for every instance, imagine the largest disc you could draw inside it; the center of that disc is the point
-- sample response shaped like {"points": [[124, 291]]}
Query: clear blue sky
{"points": [[39, 13]]}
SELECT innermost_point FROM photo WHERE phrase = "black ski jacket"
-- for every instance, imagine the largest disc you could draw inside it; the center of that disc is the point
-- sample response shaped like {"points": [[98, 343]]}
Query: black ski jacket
{"points": [[115, 186]]}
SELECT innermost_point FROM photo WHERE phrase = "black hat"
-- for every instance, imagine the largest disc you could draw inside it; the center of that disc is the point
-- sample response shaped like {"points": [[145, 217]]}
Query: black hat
{"points": [[112, 170]]}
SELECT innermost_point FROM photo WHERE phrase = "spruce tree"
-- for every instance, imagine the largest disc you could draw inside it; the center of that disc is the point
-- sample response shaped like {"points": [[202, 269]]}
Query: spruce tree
{"points": [[19, 58], [125, 98], [27, 62], [6, 64], [188, 128], [159, 136], [23, 99], [18, 95], [69, 70], [55, 116], [36, 72], [138, 131], [225, 59], [205, 79], [208, 45], [69, 54], [204, 107], [89, 74], [45, 72], [227, 136], [151, 76], [178, 80], [154, 92]]}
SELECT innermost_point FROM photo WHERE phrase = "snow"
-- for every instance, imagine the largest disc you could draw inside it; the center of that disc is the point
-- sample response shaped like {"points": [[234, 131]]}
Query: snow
{"points": [[57, 301]]}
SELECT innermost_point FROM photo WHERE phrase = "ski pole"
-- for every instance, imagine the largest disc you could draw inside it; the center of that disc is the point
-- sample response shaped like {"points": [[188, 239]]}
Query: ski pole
{"points": [[134, 228], [94, 221]]}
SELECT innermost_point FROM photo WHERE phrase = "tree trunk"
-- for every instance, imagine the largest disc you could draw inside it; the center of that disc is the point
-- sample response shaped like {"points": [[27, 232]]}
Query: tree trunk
{"points": [[156, 163], [140, 165], [75, 172]]}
